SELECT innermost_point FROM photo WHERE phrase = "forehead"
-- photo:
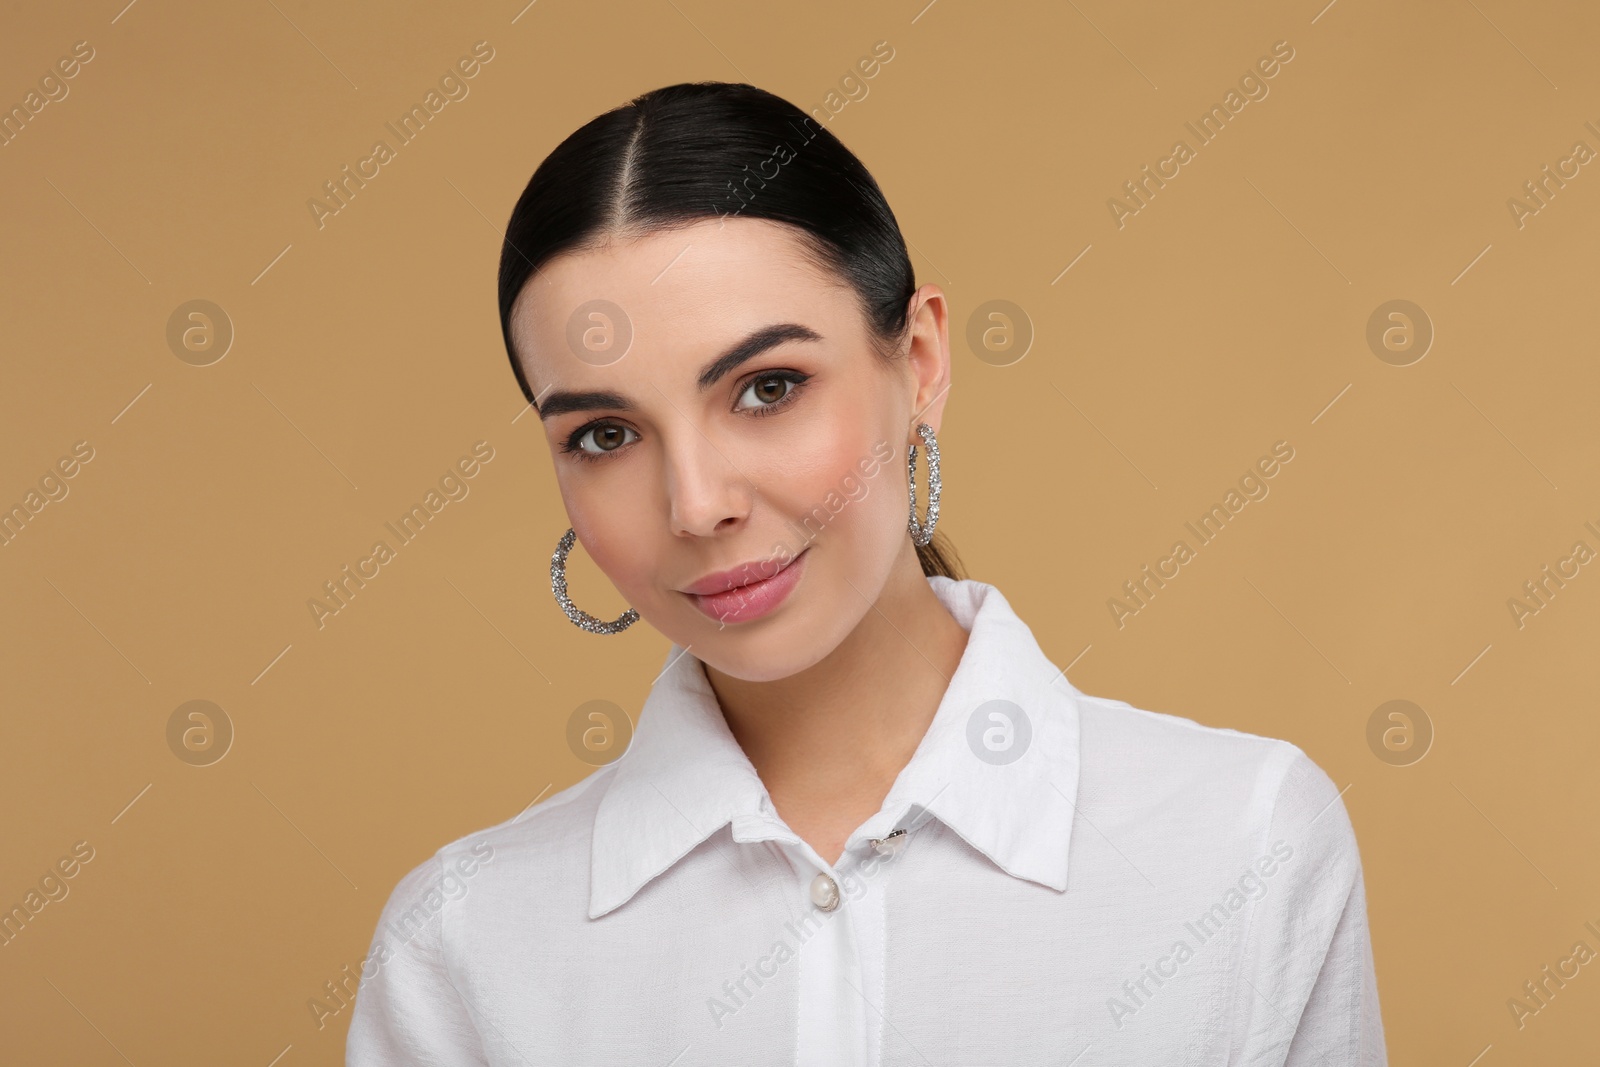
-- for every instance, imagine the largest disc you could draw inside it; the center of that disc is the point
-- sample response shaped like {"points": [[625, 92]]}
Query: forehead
{"points": [[678, 291]]}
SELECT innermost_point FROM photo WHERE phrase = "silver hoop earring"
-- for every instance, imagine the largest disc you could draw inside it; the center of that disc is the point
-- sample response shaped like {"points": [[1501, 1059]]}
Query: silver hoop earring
{"points": [[580, 618], [920, 533]]}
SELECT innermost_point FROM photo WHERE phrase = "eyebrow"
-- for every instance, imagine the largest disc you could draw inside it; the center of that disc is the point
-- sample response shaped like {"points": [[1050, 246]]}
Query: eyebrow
{"points": [[562, 402]]}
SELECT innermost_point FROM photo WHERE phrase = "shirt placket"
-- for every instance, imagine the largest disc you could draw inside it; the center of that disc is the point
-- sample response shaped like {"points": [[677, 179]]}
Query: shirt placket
{"points": [[843, 961], [835, 957]]}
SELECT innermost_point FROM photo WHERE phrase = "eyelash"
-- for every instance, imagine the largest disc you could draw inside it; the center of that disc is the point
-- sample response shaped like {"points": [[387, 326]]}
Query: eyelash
{"points": [[796, 379]]}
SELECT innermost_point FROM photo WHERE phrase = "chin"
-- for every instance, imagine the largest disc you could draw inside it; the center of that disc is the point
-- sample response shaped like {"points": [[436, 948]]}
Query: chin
{"points": [[766, 650], [757, 668]]}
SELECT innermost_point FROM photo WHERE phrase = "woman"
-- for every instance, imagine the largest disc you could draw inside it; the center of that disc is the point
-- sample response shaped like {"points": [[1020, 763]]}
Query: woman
{"points": [[864, 819]]}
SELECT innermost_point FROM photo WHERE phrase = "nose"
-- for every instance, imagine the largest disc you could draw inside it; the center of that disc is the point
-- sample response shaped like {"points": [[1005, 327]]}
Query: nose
{"points": [[706, 493]]}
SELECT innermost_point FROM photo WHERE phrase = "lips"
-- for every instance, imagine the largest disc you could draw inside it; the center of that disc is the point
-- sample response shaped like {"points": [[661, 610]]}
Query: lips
{"points": [[743, 594], [756, 570]]}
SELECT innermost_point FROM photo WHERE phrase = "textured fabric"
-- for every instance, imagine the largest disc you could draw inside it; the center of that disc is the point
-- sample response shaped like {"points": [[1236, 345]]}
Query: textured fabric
{"points": [[1081, 882]]}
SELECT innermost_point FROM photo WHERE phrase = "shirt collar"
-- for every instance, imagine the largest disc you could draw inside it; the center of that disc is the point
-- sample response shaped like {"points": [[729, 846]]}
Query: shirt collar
{"points": [[684, 776]]}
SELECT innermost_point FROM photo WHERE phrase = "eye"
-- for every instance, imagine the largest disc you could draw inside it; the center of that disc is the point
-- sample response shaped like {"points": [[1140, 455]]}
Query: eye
{"points": [[597, 439], [770, 391]]}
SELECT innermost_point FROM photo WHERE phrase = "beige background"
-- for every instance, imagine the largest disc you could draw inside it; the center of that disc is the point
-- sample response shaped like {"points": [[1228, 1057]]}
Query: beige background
{"points": [[1228, 314]]}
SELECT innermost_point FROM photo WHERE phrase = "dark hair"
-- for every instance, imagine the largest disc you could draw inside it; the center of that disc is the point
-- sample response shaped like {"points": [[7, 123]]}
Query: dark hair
{"points": [[697, 150]]}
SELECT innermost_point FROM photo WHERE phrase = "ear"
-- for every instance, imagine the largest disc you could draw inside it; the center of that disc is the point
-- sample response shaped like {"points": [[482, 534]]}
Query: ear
{"points": [[929, 357]]}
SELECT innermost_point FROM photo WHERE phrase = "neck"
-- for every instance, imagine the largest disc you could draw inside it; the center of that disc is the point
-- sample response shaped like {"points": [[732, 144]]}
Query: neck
{"points": [[829, 741]]}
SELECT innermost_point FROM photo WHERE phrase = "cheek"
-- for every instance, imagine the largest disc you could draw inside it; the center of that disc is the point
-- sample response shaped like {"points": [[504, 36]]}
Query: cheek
{"points": [[809, 465], [829, 498], [607, 528]]}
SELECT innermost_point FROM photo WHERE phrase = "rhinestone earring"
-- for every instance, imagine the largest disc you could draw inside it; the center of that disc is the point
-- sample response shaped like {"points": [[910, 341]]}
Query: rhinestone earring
{"points": [[580, 618], [923, 533]]}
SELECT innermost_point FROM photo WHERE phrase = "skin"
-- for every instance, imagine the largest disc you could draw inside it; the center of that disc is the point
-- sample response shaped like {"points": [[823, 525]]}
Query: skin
{"points": [[830, 694]]}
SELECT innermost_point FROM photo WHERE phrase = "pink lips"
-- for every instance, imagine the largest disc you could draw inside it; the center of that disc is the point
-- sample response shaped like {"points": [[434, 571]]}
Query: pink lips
{"points": [[731, 596]]}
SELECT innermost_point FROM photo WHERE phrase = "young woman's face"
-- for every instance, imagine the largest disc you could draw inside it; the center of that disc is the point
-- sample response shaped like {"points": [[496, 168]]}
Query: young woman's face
{"points": [[713, 405]]}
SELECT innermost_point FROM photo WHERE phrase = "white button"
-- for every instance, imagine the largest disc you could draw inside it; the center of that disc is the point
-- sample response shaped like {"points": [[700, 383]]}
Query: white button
{"points": [[824, 892]]}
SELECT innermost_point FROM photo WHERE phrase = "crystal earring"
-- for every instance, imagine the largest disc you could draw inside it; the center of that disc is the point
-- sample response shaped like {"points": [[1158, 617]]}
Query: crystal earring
{"points": [[920, 533], [579, 617]]}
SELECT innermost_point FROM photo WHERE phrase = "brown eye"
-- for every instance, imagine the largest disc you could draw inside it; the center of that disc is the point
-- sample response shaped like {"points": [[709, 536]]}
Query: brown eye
{"points": [[769, 391], [598, 440]]}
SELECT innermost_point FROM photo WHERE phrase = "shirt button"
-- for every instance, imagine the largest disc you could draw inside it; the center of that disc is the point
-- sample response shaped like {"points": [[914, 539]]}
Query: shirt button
{"points": [[824, 892]]}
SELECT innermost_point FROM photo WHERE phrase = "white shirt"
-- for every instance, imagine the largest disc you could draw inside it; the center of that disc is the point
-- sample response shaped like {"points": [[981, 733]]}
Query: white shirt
{"points": [[1081, 883]]}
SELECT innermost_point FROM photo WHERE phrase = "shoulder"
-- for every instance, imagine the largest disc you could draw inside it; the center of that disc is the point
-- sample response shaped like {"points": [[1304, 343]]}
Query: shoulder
{"points": [[544, 841], [555, 824], [1168, 742], [1209, 781]]}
